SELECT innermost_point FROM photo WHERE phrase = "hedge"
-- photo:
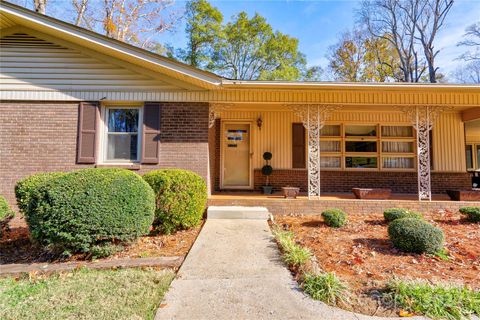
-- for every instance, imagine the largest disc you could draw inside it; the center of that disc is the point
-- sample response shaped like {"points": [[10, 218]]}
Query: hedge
{"points": [[472, 213], [6, 213], [400, 213], [86, 209], [181, 197]]}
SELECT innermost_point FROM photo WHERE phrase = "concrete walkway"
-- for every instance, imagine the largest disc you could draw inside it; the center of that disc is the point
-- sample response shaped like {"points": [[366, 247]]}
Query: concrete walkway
{"points": [[234, 271]]}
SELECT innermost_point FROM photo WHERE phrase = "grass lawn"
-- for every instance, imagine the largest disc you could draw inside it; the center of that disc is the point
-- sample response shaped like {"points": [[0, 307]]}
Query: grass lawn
{"points": [[85, 294]]}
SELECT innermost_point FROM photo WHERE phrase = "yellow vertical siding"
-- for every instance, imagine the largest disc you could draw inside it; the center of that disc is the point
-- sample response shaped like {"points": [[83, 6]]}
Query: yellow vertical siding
{"points": [[276, 134], [449, 143], [472, 131]]}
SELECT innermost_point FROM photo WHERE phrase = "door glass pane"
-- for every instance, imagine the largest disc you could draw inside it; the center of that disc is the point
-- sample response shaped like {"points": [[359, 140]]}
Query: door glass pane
{"points": [[361, 146], [329, 146], [329, 162], [330, 131], [397, 147], [357, 131], [361, 162], [397, 131], [122, 147], [469, 156], [123, 120], [398, 163]]}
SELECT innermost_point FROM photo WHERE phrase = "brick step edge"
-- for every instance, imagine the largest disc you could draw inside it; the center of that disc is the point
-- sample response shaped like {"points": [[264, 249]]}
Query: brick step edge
{"points": [[19, 268]]}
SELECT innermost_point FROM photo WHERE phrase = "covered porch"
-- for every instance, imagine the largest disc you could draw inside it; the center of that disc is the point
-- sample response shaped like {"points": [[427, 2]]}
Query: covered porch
{"points": [[415, 150]]}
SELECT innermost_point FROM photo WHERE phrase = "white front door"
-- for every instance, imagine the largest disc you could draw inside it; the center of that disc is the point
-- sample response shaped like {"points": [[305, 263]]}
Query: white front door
{"points": [[236, 164]]}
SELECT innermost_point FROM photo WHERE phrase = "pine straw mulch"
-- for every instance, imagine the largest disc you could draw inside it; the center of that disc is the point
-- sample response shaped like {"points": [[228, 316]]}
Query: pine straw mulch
{"points": [[16, 246], [362, 256]]}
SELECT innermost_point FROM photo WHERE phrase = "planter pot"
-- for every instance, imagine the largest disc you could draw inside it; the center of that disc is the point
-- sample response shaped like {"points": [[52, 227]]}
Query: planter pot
{"points": [[374, 193], [267, 189], [290, 192], [464, 195]]}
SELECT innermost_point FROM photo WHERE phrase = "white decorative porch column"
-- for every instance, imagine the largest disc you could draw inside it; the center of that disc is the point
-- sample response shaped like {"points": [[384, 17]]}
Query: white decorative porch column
{"points": [[423, 119], [313, 117]]}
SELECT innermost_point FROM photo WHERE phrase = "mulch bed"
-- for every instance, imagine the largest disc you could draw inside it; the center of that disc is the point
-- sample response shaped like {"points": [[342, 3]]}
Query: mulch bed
{"points": [[363, 257], [16, 247]]}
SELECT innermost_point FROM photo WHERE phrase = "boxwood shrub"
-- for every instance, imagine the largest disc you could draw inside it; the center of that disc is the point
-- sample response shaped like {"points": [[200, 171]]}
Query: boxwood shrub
{"points": [[334, 218], [400, 213], [181, 197], [415, 235], [25, 188], [472, 213], [6, 213], [82, 210]]}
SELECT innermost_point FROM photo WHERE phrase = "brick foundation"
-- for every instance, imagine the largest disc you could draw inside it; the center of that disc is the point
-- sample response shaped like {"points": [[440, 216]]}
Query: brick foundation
{"points": [[42, 137], [344, 181]]}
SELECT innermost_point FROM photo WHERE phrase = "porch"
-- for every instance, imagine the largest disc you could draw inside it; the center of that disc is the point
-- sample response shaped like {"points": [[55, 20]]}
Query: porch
{"points": [[278, 205]]}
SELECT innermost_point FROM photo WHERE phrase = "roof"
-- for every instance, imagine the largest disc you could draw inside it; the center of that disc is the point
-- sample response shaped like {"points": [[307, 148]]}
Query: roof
{"points": [[11, 15]]}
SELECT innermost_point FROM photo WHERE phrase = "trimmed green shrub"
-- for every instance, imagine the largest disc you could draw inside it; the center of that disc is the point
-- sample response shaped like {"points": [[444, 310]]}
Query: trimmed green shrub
{"points": [[82, 210], [472, 213], [6, 213], [334, 218], [181, 197], [25, 188], [414, 235], [400, 213]]}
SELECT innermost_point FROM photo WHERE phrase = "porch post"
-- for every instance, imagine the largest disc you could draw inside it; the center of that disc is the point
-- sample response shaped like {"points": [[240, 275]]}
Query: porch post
{"points": [[313, 117], [423, 119]]}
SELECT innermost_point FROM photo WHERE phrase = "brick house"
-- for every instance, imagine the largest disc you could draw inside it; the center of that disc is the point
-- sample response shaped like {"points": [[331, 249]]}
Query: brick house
{"points": [[71, 98]]}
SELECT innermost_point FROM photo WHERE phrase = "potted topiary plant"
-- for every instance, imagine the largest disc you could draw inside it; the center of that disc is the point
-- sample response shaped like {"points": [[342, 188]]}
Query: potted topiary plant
{"points": [[267, 171]]}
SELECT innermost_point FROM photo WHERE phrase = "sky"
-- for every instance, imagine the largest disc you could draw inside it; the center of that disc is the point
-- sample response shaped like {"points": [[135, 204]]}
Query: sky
{"points": [[318, 24]]}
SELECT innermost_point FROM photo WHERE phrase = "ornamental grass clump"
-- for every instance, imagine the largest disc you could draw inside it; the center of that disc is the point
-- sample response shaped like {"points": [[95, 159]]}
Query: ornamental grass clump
{"points": [[415, 236], [440, 301], [293, 254], [400, 213], [472, 213], [326, 287], [85, 210], [334, 218], [181, 197]]}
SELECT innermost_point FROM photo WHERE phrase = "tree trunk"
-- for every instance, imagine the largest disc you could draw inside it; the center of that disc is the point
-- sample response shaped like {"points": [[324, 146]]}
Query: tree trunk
{"points": [[40, 6]]}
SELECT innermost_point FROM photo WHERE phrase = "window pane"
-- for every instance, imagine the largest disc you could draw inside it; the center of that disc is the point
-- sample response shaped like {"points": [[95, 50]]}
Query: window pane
{"points": [[398, 147], [478, 156], [329, 146], [122, 120], [357, 131], [330, 131], [469, 155], [329, 162], [397, 131], [361, 162], [122, 147], [398, 163], [361, 146]]}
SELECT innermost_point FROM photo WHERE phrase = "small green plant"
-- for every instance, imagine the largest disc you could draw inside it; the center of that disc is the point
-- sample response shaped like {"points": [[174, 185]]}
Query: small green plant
{"points": [[414, 235], [442, 254], [181, 197], [400, 213], [334, 218], [434, 301], [472, 213], [325, 287]]}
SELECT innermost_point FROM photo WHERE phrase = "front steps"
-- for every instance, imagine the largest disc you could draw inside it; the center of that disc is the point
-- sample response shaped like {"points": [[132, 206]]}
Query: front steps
{"points": [[237, 212]]}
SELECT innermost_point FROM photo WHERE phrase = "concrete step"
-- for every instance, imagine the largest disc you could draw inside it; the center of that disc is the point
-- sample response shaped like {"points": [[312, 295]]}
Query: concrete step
{"points": [[237, 212]]}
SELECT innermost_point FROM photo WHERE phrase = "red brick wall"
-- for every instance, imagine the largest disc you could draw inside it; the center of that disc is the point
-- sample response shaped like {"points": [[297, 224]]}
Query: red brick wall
{"points": [[344, 181], [41, 137]]}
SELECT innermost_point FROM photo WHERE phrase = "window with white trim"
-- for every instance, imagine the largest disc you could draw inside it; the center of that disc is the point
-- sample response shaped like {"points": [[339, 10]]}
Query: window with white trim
{"points": [[122, 134], [367, 146]]}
